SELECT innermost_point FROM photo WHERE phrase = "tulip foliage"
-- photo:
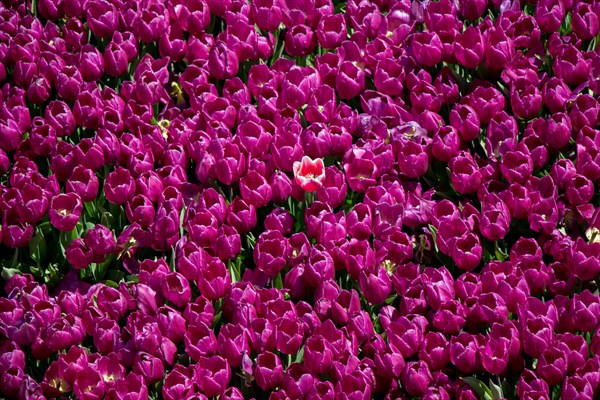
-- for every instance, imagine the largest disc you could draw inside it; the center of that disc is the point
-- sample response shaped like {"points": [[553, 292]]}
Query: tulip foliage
{"points": [[312, 199]]}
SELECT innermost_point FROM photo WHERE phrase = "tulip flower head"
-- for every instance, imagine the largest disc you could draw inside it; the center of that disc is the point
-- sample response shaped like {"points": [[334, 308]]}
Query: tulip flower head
{"points": [[309, 173]]}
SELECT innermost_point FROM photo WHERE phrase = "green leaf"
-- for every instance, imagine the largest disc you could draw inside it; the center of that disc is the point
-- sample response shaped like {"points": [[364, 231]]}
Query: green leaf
{"points": [[496, 390], [90, 209], [479, 387], [300, 355], [112, 284], [37, 247], [278, 283], [52, 274], [66, 238], [8, 273]]}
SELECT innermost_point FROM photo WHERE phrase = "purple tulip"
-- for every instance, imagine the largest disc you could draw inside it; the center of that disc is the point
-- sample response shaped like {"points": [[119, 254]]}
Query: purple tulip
{"points": [[416, 378], [65, 210], [434, 351], [318, 355], [89, 384], [300, 41], [106, 335], [233, 342], [350, 80], [529, 382], [427, 48], [470, 47], [405, 337], [101, 241], [375, 285], [148, 367], [84, 183], [78, 254], [176, 289], [331, 31], [552, 366], [464, 352], [223, 63], [585, 21], [268, 371], [570, 66], [584, 259], [178, 383], [119, 186], [465, 175]]}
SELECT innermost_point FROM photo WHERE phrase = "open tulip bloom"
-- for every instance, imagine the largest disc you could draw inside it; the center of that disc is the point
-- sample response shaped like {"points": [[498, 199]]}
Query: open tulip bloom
{"points": [[319, 199], [309, 173]]}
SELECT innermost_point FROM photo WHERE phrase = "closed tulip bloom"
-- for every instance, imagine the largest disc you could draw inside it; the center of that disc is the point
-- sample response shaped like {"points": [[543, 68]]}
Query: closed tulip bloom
{"points": [[570, 65], [585, 20], [463, 352], [102, 17], [106, 335], [465, 175], [300, 41], [115, 59], [405, 336], [412, 160], [270, 252], [34, 203], [228, 243], [375, 285], [214, 280], [148, 367], [268, 371], [549, 14], [584, 260], [434, 351], [450, 318], [331, 31], [466, 121], [177, 289], [91, 63], [267, 14], [230, 163], [119, 186], [318, 355], [84, 183], [255, 189], [212, 375], [223, 62], [427, 48], [494, 356], [233, 342], [495, 220], [39, 90], [577, 387], [178, 383], [579, 190], [69, 82], [416, 378], [350, 80], [446, 143], [100, 240], [552, 366], [200, 341], [78, 254], [470, 47]]}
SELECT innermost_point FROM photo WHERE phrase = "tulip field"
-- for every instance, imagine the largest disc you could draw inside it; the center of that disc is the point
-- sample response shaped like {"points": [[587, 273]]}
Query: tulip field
{"points": [[300, 199]]}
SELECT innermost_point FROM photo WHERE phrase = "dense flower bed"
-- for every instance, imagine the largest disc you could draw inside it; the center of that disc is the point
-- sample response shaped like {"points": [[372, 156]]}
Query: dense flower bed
{"points": [[308, 199]]}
